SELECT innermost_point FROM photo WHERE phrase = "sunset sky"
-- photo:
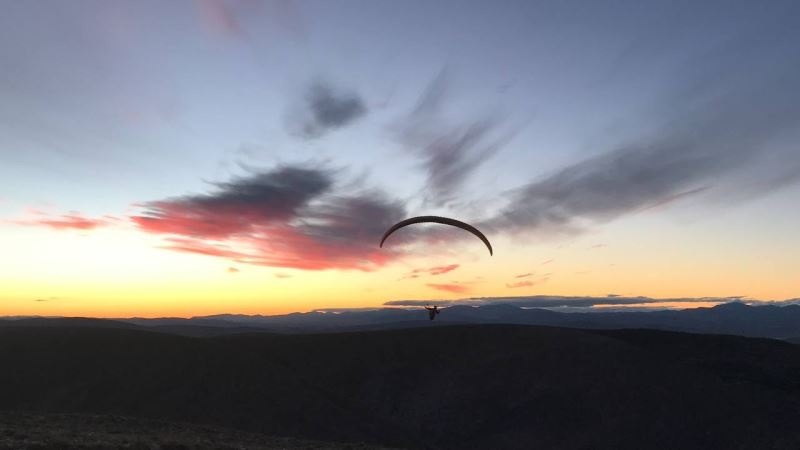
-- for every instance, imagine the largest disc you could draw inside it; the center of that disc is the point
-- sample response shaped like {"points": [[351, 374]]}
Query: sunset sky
{"points": [[198, 157]]}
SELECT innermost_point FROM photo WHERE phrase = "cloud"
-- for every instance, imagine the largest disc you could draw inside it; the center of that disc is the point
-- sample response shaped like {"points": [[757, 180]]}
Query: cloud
{"points": [[519, 284], [219, 16], [670, 199], [227, 17], [47, 299], [200, 247], [232, 270], [239, 206], [450, 153], [324, 109], [555, 301], [454, 288], [728, 130], [283, 275], [790, 301], [438, 270], [65, 222], [529, 280], [442, 269], [290, 216]]}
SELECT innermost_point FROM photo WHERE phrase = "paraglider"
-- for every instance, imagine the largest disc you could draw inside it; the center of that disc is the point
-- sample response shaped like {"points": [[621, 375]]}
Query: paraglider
{"points": [[432, 312], [442, 220]]}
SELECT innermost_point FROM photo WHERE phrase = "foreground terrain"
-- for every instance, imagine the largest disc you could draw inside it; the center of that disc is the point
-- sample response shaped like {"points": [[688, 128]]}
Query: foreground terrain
{"points": [[477, 386], [19, 431]]}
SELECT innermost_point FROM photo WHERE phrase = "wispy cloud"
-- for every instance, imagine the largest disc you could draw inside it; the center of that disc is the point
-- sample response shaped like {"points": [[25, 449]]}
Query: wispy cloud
{"points": [[438, 270], [73, 221], [229, 17], [450, 153], [323, 109], [718, 132], [290, 216], [527, 280], [240, 206], [219, 16], [454, 288], [520, 284]]}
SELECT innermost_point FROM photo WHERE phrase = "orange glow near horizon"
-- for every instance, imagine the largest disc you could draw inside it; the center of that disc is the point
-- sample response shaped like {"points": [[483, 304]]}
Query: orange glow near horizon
{"points": [[118, 272]]}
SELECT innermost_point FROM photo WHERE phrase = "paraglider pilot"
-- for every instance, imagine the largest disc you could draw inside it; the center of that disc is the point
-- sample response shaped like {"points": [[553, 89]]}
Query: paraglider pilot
{"points": [[432, 312]]}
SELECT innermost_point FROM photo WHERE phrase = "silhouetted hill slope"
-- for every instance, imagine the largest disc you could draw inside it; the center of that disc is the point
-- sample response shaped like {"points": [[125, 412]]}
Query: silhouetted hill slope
{"points": [[21, 431], [81, 322], [204, 330], [447, 387], [181, 327]]}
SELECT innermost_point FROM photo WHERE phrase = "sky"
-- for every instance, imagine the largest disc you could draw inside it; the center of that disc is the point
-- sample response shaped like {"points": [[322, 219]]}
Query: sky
{"points": [[234, 156]]}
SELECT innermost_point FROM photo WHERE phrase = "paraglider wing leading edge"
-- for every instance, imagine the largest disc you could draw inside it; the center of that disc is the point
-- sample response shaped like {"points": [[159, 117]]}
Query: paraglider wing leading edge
{"points": [[441, 220]]}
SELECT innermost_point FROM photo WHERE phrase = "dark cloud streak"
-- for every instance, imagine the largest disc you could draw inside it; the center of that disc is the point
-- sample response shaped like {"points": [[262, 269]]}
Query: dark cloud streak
{"points": [[719, 134], [291, 216], [449, 152], [326, 108]]}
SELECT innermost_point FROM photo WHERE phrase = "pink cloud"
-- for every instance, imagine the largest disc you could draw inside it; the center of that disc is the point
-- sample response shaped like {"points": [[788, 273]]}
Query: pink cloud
{"points": [[219, 16], [438, 270], [287, 217], [519, 284], [201, 248], [454, 288], [442, 269], [226, 17], [65, 222]]}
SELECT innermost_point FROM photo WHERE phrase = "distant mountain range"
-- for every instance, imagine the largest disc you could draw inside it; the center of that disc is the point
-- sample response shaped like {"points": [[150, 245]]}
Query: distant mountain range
{"points": [[736, 318]]}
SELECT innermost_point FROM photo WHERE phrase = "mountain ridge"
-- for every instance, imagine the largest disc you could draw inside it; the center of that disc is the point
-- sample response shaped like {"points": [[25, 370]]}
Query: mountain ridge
{"points": [[736, 318]]}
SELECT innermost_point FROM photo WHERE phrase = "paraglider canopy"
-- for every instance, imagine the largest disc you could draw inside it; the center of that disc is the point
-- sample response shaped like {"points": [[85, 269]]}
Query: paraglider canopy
{"points": [[441, 220]]}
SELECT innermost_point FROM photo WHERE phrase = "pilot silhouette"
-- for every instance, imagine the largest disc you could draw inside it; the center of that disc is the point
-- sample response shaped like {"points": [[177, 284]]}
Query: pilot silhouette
{"points": [[432, 312]]}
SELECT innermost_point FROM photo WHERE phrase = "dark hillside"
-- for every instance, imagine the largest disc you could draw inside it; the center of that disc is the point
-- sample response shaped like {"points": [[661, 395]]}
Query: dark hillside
{"points": [[28, 431], [82, 322], [479, 386]]}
